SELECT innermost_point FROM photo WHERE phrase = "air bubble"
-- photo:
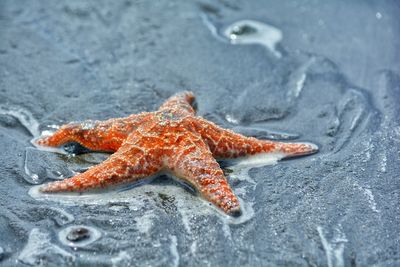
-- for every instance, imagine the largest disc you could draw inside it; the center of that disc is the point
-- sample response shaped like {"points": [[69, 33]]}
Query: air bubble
{"points": [[79, 235], [41, 165], [254, 32]]}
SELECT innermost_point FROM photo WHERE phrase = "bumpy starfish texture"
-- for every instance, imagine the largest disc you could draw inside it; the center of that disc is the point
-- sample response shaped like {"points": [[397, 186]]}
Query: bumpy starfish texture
{"points": [[171, 139]]}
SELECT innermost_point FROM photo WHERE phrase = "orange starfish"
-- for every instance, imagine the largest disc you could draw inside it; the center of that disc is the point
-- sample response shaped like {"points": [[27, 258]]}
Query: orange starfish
{"points": [[171, 139]]}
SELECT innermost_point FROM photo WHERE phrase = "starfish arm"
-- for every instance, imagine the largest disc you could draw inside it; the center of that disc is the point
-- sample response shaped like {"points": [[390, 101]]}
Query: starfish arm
{"points": [[193, 162], [96, 135], [128, 164], [180, 103], [225, 143]]}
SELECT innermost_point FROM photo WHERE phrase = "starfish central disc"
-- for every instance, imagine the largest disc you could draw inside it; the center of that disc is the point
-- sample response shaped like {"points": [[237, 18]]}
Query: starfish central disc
{"points": [[170, 139]]}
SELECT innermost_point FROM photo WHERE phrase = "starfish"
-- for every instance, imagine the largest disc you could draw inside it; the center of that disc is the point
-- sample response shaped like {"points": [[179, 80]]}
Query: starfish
{"points": [[172, 140]]}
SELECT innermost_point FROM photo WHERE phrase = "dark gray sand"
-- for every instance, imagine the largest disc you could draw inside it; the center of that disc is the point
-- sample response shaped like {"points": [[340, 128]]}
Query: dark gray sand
{"points": [[326, 72]]}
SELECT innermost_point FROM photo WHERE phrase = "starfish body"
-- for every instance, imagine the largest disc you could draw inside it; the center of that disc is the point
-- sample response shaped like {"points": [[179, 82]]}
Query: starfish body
{"points": [[171, 139]]}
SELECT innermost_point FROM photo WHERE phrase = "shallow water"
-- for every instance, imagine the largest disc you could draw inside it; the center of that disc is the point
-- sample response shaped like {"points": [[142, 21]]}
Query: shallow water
{"points": [[316, 72]]}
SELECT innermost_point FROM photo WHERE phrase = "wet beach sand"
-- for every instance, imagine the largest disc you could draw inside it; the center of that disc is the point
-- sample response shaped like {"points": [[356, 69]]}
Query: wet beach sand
{"points": [[313, 71]]}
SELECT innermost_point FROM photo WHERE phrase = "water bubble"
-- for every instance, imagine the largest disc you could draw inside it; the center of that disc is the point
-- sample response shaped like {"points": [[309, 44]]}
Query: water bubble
{"points": [[240, 30], [54, 163], [79, 235], [254, 32], [40, 165]]}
